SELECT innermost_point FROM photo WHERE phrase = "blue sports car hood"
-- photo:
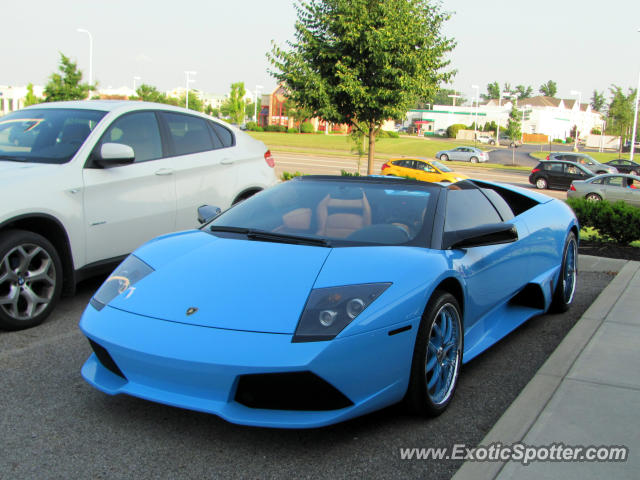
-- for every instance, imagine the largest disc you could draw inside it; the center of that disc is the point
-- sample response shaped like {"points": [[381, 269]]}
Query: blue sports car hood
{"points": [[230, 283]]}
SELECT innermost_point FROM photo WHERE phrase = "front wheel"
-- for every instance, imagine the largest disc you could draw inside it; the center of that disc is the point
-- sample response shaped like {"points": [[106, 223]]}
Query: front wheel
{"points": [[566, 286], [437, 356], [444, 158], [541, 183], [30, 279]]}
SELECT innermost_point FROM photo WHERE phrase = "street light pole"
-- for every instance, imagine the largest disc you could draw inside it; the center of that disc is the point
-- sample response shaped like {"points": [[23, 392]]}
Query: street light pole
{"points": [[454, 98], [579, 94], [475, 124], [82, 30], [188, 80], [635, 122], [255, 103], [134, 83]]}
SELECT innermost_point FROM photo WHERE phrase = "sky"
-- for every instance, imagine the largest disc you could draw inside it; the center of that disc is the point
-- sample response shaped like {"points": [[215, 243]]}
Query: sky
{"points": [[581, 45]]}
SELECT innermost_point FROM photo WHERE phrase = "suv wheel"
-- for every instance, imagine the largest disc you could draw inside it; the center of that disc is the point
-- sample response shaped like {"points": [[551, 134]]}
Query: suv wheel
{"points": [[541, 183], [30, 279]]}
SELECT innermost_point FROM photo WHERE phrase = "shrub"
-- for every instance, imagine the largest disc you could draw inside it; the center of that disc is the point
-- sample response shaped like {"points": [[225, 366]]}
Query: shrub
{"points": [[288, 175], [344, 173], [618, 221], [252, 126], [275, 128], [452, 130], [307, 127], [558, 140], [388, 134]]}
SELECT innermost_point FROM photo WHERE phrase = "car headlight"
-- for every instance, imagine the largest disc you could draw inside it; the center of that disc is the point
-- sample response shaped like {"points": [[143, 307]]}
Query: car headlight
{"points": [[123, 278], [329, 310]]}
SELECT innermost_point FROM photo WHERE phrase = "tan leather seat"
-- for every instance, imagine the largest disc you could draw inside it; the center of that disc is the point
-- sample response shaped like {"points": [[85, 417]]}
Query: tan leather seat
{"points": [[339, 218]]}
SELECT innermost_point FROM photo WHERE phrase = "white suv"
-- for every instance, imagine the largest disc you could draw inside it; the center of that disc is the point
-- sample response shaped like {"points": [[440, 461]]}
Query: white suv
{"points": [[84, 183]]}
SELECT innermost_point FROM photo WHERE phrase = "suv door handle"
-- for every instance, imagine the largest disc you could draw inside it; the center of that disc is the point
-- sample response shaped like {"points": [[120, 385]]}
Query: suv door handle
{"points": [[226, 161], [164, 171]]}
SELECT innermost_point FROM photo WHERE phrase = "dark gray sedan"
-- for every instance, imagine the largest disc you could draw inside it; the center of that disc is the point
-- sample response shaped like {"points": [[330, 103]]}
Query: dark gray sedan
{"points": [[608, 187]]}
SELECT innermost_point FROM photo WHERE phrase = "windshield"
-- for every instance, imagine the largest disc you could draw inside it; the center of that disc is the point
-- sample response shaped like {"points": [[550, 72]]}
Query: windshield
{"points": [[341, 213], [45, 135], [440, 166]]}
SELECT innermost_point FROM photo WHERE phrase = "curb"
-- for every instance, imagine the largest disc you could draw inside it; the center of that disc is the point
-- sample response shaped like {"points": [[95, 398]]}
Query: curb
{"points": [[522, 414]]}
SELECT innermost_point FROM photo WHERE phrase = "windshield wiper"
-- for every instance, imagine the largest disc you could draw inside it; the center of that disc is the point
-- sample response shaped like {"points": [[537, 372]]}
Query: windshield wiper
{"points": [[254, 234]]}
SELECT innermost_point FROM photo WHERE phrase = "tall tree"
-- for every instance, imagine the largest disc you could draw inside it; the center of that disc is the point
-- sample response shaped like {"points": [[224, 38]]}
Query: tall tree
{"points": [[234, 105], [66, 84], [524, 92], [149, 93], [493, 91], [549, 89], [597, 101], [362, 62], [620, 113], [513, 124], [30, 98], [441, 97], [195, 102]]}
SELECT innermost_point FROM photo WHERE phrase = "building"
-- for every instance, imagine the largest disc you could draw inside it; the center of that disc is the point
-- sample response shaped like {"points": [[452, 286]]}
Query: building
{"points": [[553, 117], [12, 98]]}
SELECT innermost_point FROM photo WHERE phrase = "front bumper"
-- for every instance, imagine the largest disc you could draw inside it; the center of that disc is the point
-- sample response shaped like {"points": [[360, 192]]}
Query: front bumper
{"points": [[200, 368]]}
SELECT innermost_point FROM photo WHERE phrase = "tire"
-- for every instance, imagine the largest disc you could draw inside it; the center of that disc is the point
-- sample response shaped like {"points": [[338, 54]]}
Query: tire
{"points": [[30, 279], [541, 183], [566, 287], [436, 359], [593, 197], [444, 157], [474, 159], [492, 142]]}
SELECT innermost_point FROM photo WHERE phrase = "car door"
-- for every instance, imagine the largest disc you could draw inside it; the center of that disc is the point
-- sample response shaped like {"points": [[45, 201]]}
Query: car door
{"points": [[572, 172], [458, 154], [127, 205], [615, 189], [204, 168], [555, 174], [425, 172]]}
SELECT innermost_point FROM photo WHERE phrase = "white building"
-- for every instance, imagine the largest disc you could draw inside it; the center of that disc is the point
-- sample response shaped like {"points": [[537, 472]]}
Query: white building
{"points": [[12, 98], [549, 116]]}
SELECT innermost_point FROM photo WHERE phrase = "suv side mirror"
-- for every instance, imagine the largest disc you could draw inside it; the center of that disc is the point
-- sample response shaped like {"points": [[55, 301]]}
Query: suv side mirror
{"points": [[206, 213], [115, 154]]}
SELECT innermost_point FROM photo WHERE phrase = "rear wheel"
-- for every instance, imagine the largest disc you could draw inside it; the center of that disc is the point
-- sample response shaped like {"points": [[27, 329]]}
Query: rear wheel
{"points": [[444, 158], [30, 279], [541, 183], [593, 197], [437, 356], [474, 159], [566, 286]]}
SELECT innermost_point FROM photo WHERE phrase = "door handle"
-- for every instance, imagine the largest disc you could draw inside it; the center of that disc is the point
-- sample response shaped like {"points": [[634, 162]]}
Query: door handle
{"points": [[164, 171], [226, 161]]}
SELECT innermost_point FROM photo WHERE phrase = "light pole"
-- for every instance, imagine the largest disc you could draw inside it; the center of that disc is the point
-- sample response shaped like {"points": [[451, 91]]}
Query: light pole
{"points": [[136, 78], [475, 124], [188, 80], [499, 115], [82, 30], [255, 103], [635, 122], [579, 94], [454, 98]]}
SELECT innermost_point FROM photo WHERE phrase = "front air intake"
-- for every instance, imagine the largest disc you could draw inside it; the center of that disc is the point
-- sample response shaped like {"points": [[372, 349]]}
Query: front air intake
{"points": [[289, 391], [105, 359]]}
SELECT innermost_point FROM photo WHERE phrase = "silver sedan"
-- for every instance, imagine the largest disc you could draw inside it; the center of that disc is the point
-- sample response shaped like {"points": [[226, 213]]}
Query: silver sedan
{"points": [[465, 154], [608, 187]]}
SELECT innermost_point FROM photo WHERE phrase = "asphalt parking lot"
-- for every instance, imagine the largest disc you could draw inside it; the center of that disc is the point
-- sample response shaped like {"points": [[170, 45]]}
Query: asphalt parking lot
{"points": [[53, 425]]}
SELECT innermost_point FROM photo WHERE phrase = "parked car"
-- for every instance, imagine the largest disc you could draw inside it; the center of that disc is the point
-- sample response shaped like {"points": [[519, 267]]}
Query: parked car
{"points": [[421, 169], [464, 154], [584, 160], [608, 187], [84, 183], [557, 174], [625, 166], [325, 298], [504, 140], [484, 138], [441, 132], [627, 147]]}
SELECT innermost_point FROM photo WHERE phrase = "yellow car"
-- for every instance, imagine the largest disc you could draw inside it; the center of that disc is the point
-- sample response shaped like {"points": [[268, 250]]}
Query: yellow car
{"points": [[420, 169]]}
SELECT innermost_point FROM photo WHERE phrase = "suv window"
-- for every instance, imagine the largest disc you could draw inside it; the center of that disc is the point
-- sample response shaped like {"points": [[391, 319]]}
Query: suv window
{"points": [[554, 167], [140, 131], [224, 134], [189, 134], [468, 208]]}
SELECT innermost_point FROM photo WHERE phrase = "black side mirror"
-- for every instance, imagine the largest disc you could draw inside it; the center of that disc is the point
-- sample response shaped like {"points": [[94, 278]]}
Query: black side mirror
{"points": [[491, 234], [206, 213]]}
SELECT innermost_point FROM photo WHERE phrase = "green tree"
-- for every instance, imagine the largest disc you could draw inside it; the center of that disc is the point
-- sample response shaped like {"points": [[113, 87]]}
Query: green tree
{"points": [[620, 113], [251, 107], [549, 89], [441, 97], [66, 84], [493, 91], [299, 113], [234, 106], [513, 124], [149, 93], [524, 92], [362, 62], [195, 102], [597, 101], [30, 98]]}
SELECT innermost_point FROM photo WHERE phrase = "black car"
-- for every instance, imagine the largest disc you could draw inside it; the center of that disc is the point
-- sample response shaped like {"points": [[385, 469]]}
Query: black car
{"points": [[625, 166], [584, 160], [557, 174]]}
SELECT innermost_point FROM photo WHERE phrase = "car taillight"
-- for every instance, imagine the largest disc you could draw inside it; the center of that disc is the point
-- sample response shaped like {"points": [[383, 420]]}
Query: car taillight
{"points": [[572, 188], [269, 159], [548, 156], [535, 170], [385, 165]]}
